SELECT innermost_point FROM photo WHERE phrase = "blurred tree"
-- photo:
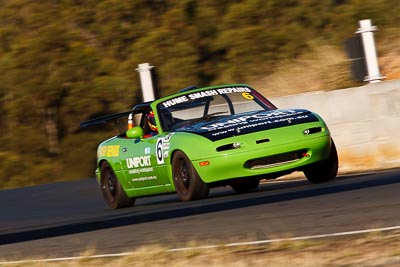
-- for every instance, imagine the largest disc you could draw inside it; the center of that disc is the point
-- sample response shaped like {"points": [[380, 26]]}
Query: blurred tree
{"points": [[253, 43], [169, 47]]}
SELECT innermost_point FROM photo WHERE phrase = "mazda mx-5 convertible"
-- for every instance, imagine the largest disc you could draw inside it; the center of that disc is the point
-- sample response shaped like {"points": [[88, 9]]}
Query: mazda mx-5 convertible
{"points": [[200, 138]]}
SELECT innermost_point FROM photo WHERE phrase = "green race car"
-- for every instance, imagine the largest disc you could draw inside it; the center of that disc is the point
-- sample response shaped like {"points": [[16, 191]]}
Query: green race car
{"points": [[205, 137]]}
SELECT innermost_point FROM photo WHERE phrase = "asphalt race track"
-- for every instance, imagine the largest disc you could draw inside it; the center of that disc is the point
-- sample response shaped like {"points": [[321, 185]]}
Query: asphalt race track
{"points": [[67, 219]]}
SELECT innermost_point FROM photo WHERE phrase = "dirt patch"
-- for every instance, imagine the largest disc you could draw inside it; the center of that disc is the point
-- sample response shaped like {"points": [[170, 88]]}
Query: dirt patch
{"points": [[386, 156]]}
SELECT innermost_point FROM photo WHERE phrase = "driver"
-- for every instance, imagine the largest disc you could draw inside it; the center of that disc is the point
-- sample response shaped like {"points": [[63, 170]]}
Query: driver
{"points": [[151, 125]]}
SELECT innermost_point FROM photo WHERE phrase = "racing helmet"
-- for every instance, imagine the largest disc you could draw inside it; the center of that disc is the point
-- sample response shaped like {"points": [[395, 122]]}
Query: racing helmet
{"points": [[151, 121]]}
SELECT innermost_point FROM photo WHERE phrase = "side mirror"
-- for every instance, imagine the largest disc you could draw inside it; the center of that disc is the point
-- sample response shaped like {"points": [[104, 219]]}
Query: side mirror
{"points": [[135, 132]]}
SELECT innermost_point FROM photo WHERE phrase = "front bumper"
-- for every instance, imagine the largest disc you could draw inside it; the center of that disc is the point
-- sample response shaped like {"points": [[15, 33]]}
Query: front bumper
{"points": [[265, 160]]}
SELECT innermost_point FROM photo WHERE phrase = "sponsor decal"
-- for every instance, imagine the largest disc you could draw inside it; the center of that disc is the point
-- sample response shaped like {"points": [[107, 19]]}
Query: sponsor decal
{"points": [[147, 150], [168, 137], [166, 146], [251, 122], [141, 170], [108, 151], [135, 162], [146, 178], [221, 91], [175, 101], [203, 94], [255, 120], [229, 90], [259, 124]]}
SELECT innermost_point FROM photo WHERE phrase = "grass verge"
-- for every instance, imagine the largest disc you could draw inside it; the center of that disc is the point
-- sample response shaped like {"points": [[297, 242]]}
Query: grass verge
{"points": [[373, 249]]}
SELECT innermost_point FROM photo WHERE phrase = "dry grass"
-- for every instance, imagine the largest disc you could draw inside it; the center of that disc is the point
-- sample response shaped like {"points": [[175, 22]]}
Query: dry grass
{"points": [[389, 53], [327, 67], [376, 249]]}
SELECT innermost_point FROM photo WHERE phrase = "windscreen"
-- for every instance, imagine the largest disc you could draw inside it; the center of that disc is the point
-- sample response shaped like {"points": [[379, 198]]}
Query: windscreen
{"points": [[194, 106]]}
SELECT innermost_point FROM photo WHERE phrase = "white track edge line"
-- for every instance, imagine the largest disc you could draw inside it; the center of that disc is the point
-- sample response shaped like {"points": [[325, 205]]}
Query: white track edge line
{"points": [[211, 246], [289, 239]]}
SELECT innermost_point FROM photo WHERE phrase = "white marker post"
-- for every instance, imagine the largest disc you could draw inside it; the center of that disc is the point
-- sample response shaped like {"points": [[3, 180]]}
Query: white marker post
{"points": [[366, 30], [146, 81]]}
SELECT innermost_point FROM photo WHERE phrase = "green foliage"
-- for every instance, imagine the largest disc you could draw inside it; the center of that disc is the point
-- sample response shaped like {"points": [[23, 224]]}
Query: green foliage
{"points": [[62, 62]]}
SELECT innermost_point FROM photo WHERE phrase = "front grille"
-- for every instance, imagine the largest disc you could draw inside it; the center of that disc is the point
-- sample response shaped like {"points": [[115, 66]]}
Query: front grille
{"points": [[275, 160]]}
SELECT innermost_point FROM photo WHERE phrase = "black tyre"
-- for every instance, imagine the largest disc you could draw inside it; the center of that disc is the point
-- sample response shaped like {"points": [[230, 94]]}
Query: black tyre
{"points": [[188, 183], [112, 190], [244, 185], [323, 171]]}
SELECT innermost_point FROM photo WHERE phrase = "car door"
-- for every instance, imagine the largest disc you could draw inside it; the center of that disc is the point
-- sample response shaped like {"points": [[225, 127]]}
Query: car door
{"points": [[144, 171]]}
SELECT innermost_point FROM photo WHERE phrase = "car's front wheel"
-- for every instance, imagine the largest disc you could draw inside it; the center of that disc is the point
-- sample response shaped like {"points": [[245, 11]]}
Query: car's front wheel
{"points": [[112, 190], [323, 171], [188, 183]]}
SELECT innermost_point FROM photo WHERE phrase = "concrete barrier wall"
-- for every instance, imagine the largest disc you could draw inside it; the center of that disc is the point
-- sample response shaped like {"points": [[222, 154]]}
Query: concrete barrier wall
{"points": [[364, 122]]}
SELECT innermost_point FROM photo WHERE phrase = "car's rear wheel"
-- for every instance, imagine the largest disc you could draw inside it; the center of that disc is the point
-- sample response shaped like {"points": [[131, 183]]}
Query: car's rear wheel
{"points": [[244, 185], [188, 183], [112, 190], [323, 171]]}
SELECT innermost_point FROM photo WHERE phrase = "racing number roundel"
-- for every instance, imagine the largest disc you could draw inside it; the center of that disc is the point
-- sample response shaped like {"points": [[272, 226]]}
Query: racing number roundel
{"points": [[159, 151]]}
